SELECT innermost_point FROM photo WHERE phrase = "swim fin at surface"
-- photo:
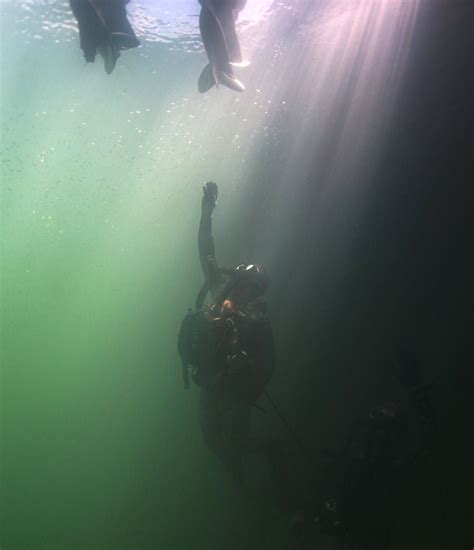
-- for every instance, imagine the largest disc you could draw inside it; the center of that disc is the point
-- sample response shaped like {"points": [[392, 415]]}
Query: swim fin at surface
{"points": [[209, 78]]}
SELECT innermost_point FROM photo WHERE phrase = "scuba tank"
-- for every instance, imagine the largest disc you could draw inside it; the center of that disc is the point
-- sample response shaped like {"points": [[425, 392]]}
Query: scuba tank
{"points": [[201, 345]]}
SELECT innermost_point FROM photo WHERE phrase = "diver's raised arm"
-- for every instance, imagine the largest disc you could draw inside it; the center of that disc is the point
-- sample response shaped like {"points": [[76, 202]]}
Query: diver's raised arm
{"points": [[207, 253]]}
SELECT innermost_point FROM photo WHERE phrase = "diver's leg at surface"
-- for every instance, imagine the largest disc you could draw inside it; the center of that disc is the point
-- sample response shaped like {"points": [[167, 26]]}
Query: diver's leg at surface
{"points": [[213, 37], [114, 17], [206, 28], [91, 31], [206, 78], [119, 34], [226, 16], [216, 49]]}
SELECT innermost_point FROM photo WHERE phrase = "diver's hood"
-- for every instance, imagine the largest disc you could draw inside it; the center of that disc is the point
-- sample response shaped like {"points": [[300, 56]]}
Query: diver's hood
{"points": [[249, 284], [246, 286]]}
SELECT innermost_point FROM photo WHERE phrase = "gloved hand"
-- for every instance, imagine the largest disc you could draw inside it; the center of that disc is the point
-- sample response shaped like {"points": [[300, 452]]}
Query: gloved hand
{"points": [[209, 199]]}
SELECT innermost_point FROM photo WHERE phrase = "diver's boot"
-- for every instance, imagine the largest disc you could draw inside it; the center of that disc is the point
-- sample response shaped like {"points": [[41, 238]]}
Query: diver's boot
{"points": [[229, 80]]}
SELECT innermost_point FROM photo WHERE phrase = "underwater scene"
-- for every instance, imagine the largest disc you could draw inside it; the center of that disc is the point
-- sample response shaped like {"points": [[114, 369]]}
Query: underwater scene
{"points": [[235, 286]]}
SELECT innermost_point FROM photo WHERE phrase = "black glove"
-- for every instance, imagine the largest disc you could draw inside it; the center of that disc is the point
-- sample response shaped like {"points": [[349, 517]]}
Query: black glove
{"points": [[209, 199]]}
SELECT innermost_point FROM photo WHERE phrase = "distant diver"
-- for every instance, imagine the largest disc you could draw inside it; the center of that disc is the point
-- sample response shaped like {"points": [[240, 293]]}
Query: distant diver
{"points": [[217, 26], [372, 474], [229, 348], [104, 28]]}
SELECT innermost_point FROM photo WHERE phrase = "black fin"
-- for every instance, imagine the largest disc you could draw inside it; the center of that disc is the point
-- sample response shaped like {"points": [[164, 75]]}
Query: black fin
{"points": [[206, 79]]}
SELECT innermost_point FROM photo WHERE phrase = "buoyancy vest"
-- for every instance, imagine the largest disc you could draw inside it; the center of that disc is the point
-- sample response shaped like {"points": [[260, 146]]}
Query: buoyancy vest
{"points": [[237, 348]]}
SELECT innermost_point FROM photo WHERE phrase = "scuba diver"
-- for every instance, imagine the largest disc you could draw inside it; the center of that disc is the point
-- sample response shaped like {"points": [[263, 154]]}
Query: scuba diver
{"points": [[217, 26], [229, 348], [104, 29], [361, 484]]}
